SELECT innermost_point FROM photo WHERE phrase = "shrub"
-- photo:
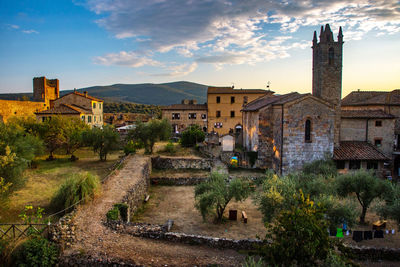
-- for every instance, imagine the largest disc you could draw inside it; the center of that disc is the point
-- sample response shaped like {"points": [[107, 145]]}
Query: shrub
{"points": [[303, 243], [37, 251], [192, 135], [78, 187], [130, 148], [170, 148], [119, 210], [325, 167], [113, 214]]}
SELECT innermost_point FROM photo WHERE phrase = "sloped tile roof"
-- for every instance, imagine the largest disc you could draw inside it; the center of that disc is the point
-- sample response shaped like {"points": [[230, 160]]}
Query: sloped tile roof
{"points": [[359, 98], [85, 96], [271, 100], [230, 90], [357, 150], [366, 114], [65, 109], [185, 107]]}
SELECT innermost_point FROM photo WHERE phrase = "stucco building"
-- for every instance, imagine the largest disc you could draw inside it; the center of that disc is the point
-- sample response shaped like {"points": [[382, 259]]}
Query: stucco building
{"points": [[185, 114], [89, 109], [225, 105]]}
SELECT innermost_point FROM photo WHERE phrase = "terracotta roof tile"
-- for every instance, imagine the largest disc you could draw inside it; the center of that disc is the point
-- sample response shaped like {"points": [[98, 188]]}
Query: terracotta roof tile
{"points": [[359, 98], [230, 90], [85, 96], [185, 107], [357, 150], [62, 109], [270, 100], [366, 114]]}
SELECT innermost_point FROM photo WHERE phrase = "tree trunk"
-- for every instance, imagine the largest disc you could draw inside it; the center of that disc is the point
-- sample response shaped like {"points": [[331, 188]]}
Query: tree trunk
{"points": [[362, 217]]}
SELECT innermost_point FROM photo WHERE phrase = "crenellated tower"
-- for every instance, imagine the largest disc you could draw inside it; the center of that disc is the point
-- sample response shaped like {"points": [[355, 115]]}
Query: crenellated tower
{"points": [[327, 70]]}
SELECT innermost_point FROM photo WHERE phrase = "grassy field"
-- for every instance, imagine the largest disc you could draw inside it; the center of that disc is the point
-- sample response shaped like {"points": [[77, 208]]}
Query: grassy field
{"points": [[41, 183]]}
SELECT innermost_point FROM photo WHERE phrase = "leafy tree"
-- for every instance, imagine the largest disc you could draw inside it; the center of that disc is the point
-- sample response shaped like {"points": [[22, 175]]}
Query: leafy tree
{"points": [[217, 192], [74, 130], [53, 133], [276, 195], [391, 209], [192, 135], [298, 235], [103, 141], [365, 185], [17, 149], [151, 132]]}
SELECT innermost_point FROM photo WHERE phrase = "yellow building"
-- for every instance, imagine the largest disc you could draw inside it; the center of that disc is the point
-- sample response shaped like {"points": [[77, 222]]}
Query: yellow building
{"points": [[224, 107], [75, 104], [44, 92]]}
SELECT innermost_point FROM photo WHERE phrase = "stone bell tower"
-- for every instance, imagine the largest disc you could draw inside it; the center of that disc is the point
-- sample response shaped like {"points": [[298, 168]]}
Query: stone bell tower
{"points": [[327, 71]]}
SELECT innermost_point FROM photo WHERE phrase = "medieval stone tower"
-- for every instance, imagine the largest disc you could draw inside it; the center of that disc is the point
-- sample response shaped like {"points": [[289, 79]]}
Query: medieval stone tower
{"points": [[327, 71], [45, 90]]}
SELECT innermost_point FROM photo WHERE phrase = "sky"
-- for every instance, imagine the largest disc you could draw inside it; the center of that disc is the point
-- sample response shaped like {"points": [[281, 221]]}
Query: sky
{"points": [[247, 44]]}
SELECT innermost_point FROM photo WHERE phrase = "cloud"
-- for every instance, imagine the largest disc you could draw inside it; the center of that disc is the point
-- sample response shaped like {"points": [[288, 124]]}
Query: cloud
{"points": [[178, 70], [127, 59], [237, 31], [12, 26], [30, 31]]}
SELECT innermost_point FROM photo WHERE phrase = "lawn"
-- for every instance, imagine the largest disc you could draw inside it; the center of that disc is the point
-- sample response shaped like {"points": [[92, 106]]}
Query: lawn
{"points": [[177, 203], [41, 183]]}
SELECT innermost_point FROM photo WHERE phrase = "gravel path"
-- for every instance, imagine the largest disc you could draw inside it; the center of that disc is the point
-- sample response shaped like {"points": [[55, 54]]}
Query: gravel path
{"points": [[97, 240]]}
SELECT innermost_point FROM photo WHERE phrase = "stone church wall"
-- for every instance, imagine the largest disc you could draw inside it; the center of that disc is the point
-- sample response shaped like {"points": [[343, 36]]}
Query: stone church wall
{"points": [[296, 151]]}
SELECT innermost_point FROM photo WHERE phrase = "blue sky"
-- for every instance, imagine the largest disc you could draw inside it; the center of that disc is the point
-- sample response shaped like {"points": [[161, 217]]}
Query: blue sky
{"points": [[213, 42]]}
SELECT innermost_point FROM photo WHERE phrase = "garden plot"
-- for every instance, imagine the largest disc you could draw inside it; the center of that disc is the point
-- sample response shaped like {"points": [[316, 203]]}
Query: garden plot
{"points": [[177, 203]]}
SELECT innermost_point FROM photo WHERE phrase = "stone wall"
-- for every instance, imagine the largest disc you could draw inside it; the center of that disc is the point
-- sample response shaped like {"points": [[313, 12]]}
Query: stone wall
{"points": [[10, 108], [90, 260], [181, 163], [177, 181], [63, 232], [297, 151], [135, 196], [160, 232]]}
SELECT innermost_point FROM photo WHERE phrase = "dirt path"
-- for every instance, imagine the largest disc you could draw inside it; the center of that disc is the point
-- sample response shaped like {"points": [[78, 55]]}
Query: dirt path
{"points": [[97, 240]]}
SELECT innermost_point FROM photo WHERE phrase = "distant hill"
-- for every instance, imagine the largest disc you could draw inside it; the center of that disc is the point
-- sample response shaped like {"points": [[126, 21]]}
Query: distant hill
{"points": [[146, 93]]}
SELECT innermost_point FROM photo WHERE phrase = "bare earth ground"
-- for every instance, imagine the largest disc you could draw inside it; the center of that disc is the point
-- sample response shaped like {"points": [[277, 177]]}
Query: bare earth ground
{"points": [[41, 183], [177, 203], [96, 239]]}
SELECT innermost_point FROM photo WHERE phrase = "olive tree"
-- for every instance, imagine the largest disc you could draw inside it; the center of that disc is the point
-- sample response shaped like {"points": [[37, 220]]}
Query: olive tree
{"points": [[102, 140], [365, 185], [217, 191]]}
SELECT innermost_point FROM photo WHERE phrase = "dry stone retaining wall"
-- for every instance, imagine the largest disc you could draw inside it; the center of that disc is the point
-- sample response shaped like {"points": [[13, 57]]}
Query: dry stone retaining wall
{"points": [[177, 181], [181, 163], [135, 195], [160, 232], [63, 232]]}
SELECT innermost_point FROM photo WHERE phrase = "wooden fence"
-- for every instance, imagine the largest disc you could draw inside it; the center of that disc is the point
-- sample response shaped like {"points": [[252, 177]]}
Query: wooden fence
{"points": [[18, 230]]}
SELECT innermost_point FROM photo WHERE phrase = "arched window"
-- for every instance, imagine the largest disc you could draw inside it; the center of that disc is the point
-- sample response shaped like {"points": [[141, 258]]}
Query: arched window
{"points": [[331, 55], [307, 131]]}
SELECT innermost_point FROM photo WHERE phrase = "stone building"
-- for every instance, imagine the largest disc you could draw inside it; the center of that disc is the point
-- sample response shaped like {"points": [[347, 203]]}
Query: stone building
{"points": [[185, 114], [75, 104], [44, 91], [288, 130], [225, 105], [380, 125]]}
